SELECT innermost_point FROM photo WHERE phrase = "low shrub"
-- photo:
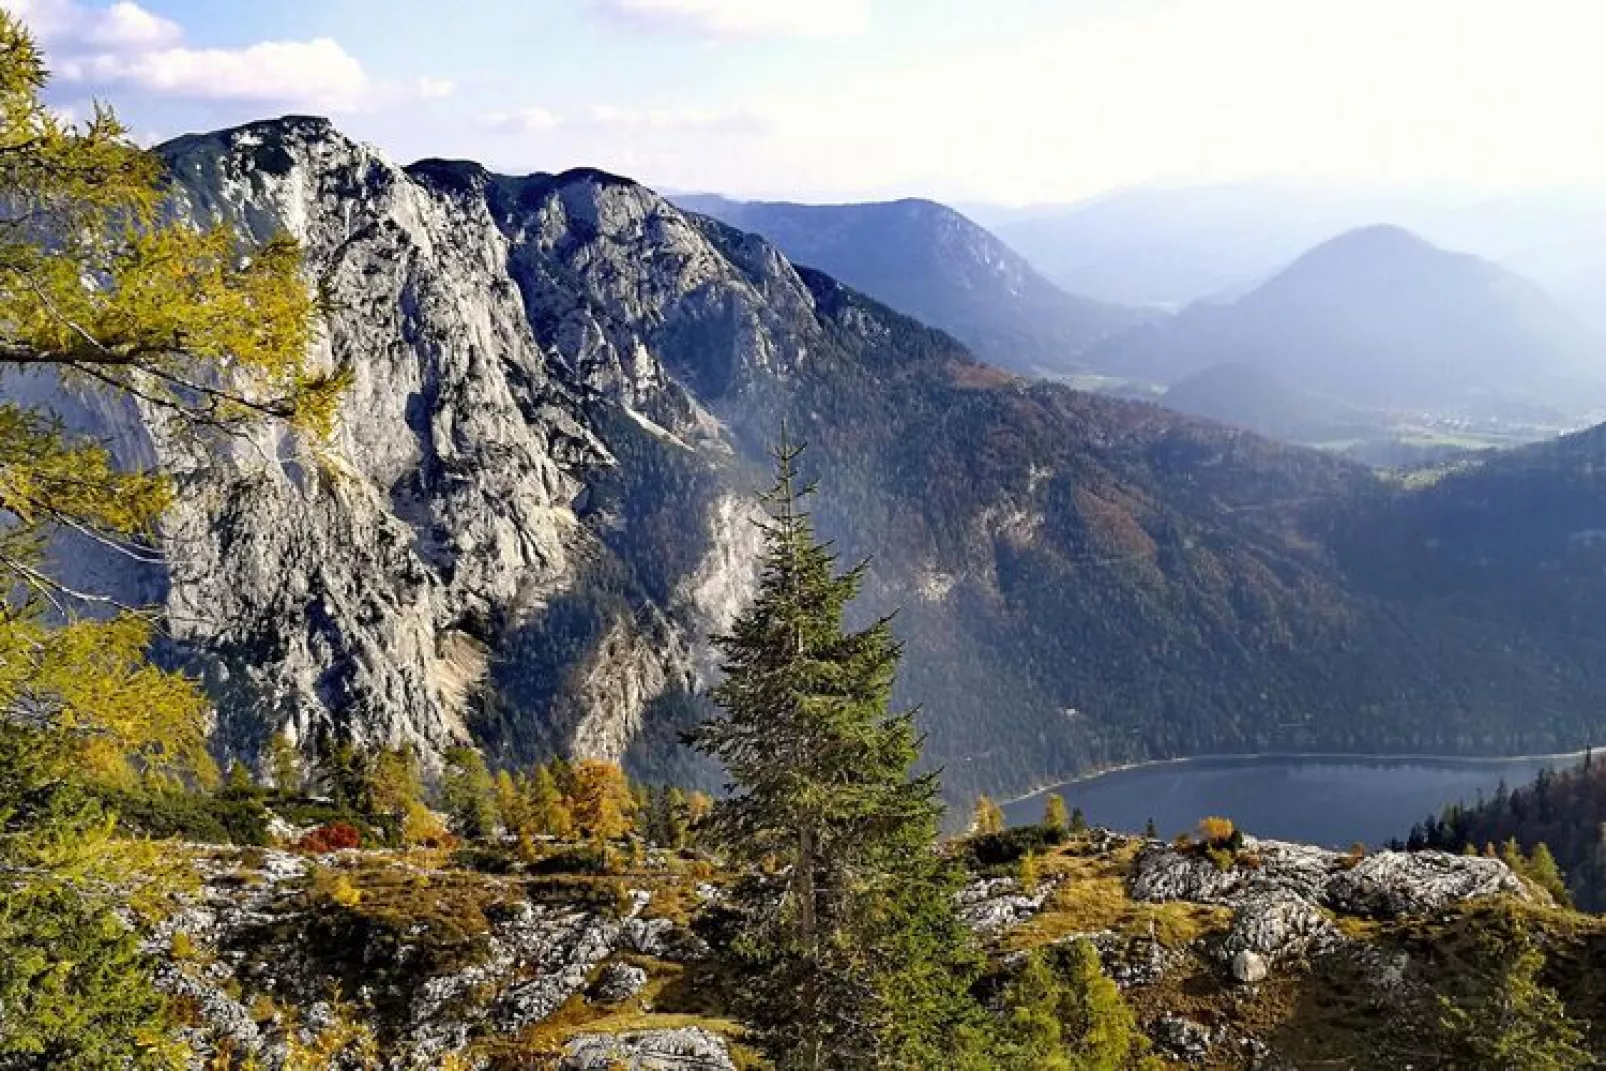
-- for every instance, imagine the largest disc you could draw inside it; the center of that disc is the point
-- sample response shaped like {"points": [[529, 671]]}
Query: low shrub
{"points": [[181, 946], [335, 887], [334, 837], [1218, 832], [191, 816], [988, 851], [486, 859], [581, 859]]}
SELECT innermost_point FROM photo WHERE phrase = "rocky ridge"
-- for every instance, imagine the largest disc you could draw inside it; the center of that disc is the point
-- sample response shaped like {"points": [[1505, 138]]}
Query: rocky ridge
{"points": [[438, 964], [930, 262]]}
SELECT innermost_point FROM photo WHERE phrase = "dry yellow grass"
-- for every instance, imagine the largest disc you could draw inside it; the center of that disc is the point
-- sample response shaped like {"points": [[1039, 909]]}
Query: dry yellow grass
{"points": [[1092, 896]]}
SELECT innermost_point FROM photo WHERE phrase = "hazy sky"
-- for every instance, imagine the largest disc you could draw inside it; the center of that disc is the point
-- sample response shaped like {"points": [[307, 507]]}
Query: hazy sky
{"points": [[993, 100]]}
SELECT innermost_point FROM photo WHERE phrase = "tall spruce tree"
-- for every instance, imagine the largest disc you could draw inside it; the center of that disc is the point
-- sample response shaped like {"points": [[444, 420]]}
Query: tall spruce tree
{"points": [[468, 793], [859, 958]]}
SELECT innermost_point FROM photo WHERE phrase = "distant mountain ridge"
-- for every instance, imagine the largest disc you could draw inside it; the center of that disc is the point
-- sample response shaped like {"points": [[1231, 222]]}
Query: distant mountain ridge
{"points": [[1171, 246], [1378, 317], [928, 261]]}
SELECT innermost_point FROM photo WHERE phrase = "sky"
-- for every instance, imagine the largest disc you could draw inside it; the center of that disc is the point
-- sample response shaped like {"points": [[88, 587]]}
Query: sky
{"points": [[995, 101]]}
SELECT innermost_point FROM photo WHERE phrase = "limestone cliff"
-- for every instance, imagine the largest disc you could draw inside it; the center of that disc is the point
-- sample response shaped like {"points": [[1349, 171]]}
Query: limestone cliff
{"points": [[535, 508]]}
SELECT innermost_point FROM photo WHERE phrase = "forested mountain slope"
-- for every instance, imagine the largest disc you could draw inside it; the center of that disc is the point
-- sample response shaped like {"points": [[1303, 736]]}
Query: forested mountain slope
{"points": [[930, 262], [536, 507]]}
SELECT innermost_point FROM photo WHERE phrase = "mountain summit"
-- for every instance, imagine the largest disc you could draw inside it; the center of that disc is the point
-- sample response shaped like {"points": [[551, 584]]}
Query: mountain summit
{"points": [[1379, 317], [930, 262]]}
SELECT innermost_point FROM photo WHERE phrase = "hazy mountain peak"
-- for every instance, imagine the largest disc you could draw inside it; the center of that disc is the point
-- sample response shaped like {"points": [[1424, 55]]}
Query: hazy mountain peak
{"points": [[1375, 240], [929, 261], [1379, 317]]}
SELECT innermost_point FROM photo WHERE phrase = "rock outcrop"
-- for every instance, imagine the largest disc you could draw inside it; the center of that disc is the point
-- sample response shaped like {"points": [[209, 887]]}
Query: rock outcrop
{"points": [[1415, 883], [690, 1049], [430, 965], [994, 904], [446, 960], [1276, 926], [1273, 877]]}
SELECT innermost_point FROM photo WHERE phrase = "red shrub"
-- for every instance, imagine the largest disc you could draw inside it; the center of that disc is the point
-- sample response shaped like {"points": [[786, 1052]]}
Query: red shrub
{"points": [[334, 837]]}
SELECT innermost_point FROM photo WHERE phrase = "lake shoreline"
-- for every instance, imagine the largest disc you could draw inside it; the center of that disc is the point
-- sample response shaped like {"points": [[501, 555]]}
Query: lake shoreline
{"points": [[1294, 756]]}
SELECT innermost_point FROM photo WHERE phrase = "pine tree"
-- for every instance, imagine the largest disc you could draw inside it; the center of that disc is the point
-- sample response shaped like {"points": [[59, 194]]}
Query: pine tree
{"points": [[240, 782], [1054, 816], [600, 800], [513, 804], [284, 763], [640, 801], [1544, 872], [652, 816], [699, 805], [1078, 1021], [468, 794], [989, 817], [1511, 855], [1032, 1035], [677, 824], [341, 773], [391, 793], [1591, 878], [1078, 821], [549, 814], [72, 985], [1028, 875], [1103, 1031], [1150, 830], [858, 957]]}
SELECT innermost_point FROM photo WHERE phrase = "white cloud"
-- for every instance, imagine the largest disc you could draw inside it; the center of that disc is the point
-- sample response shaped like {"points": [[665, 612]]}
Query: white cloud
{"points": [[318, 72], [741, 18], [527, 120], [126, 47], [66, 24], [127, 25]]}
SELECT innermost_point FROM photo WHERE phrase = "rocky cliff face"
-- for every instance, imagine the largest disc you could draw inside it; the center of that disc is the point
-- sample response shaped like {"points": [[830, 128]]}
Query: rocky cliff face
{"points": [[364, 585], [535, 507]]}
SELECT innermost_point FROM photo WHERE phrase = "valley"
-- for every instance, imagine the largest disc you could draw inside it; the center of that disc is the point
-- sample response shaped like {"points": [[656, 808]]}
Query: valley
{"points": [[566, 383]]}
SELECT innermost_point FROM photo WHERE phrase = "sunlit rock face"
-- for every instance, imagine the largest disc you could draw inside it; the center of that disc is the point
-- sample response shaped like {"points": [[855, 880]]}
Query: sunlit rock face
{"points": [[538, 504], [374, 585]]}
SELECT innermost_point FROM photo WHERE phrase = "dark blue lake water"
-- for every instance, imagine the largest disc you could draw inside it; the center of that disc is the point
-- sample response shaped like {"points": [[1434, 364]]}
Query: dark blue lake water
{"points": [[1320, 800]]}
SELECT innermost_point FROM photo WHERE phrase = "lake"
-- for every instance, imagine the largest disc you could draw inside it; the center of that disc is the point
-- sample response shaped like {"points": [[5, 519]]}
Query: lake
{"points": [[1328, 800]]}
